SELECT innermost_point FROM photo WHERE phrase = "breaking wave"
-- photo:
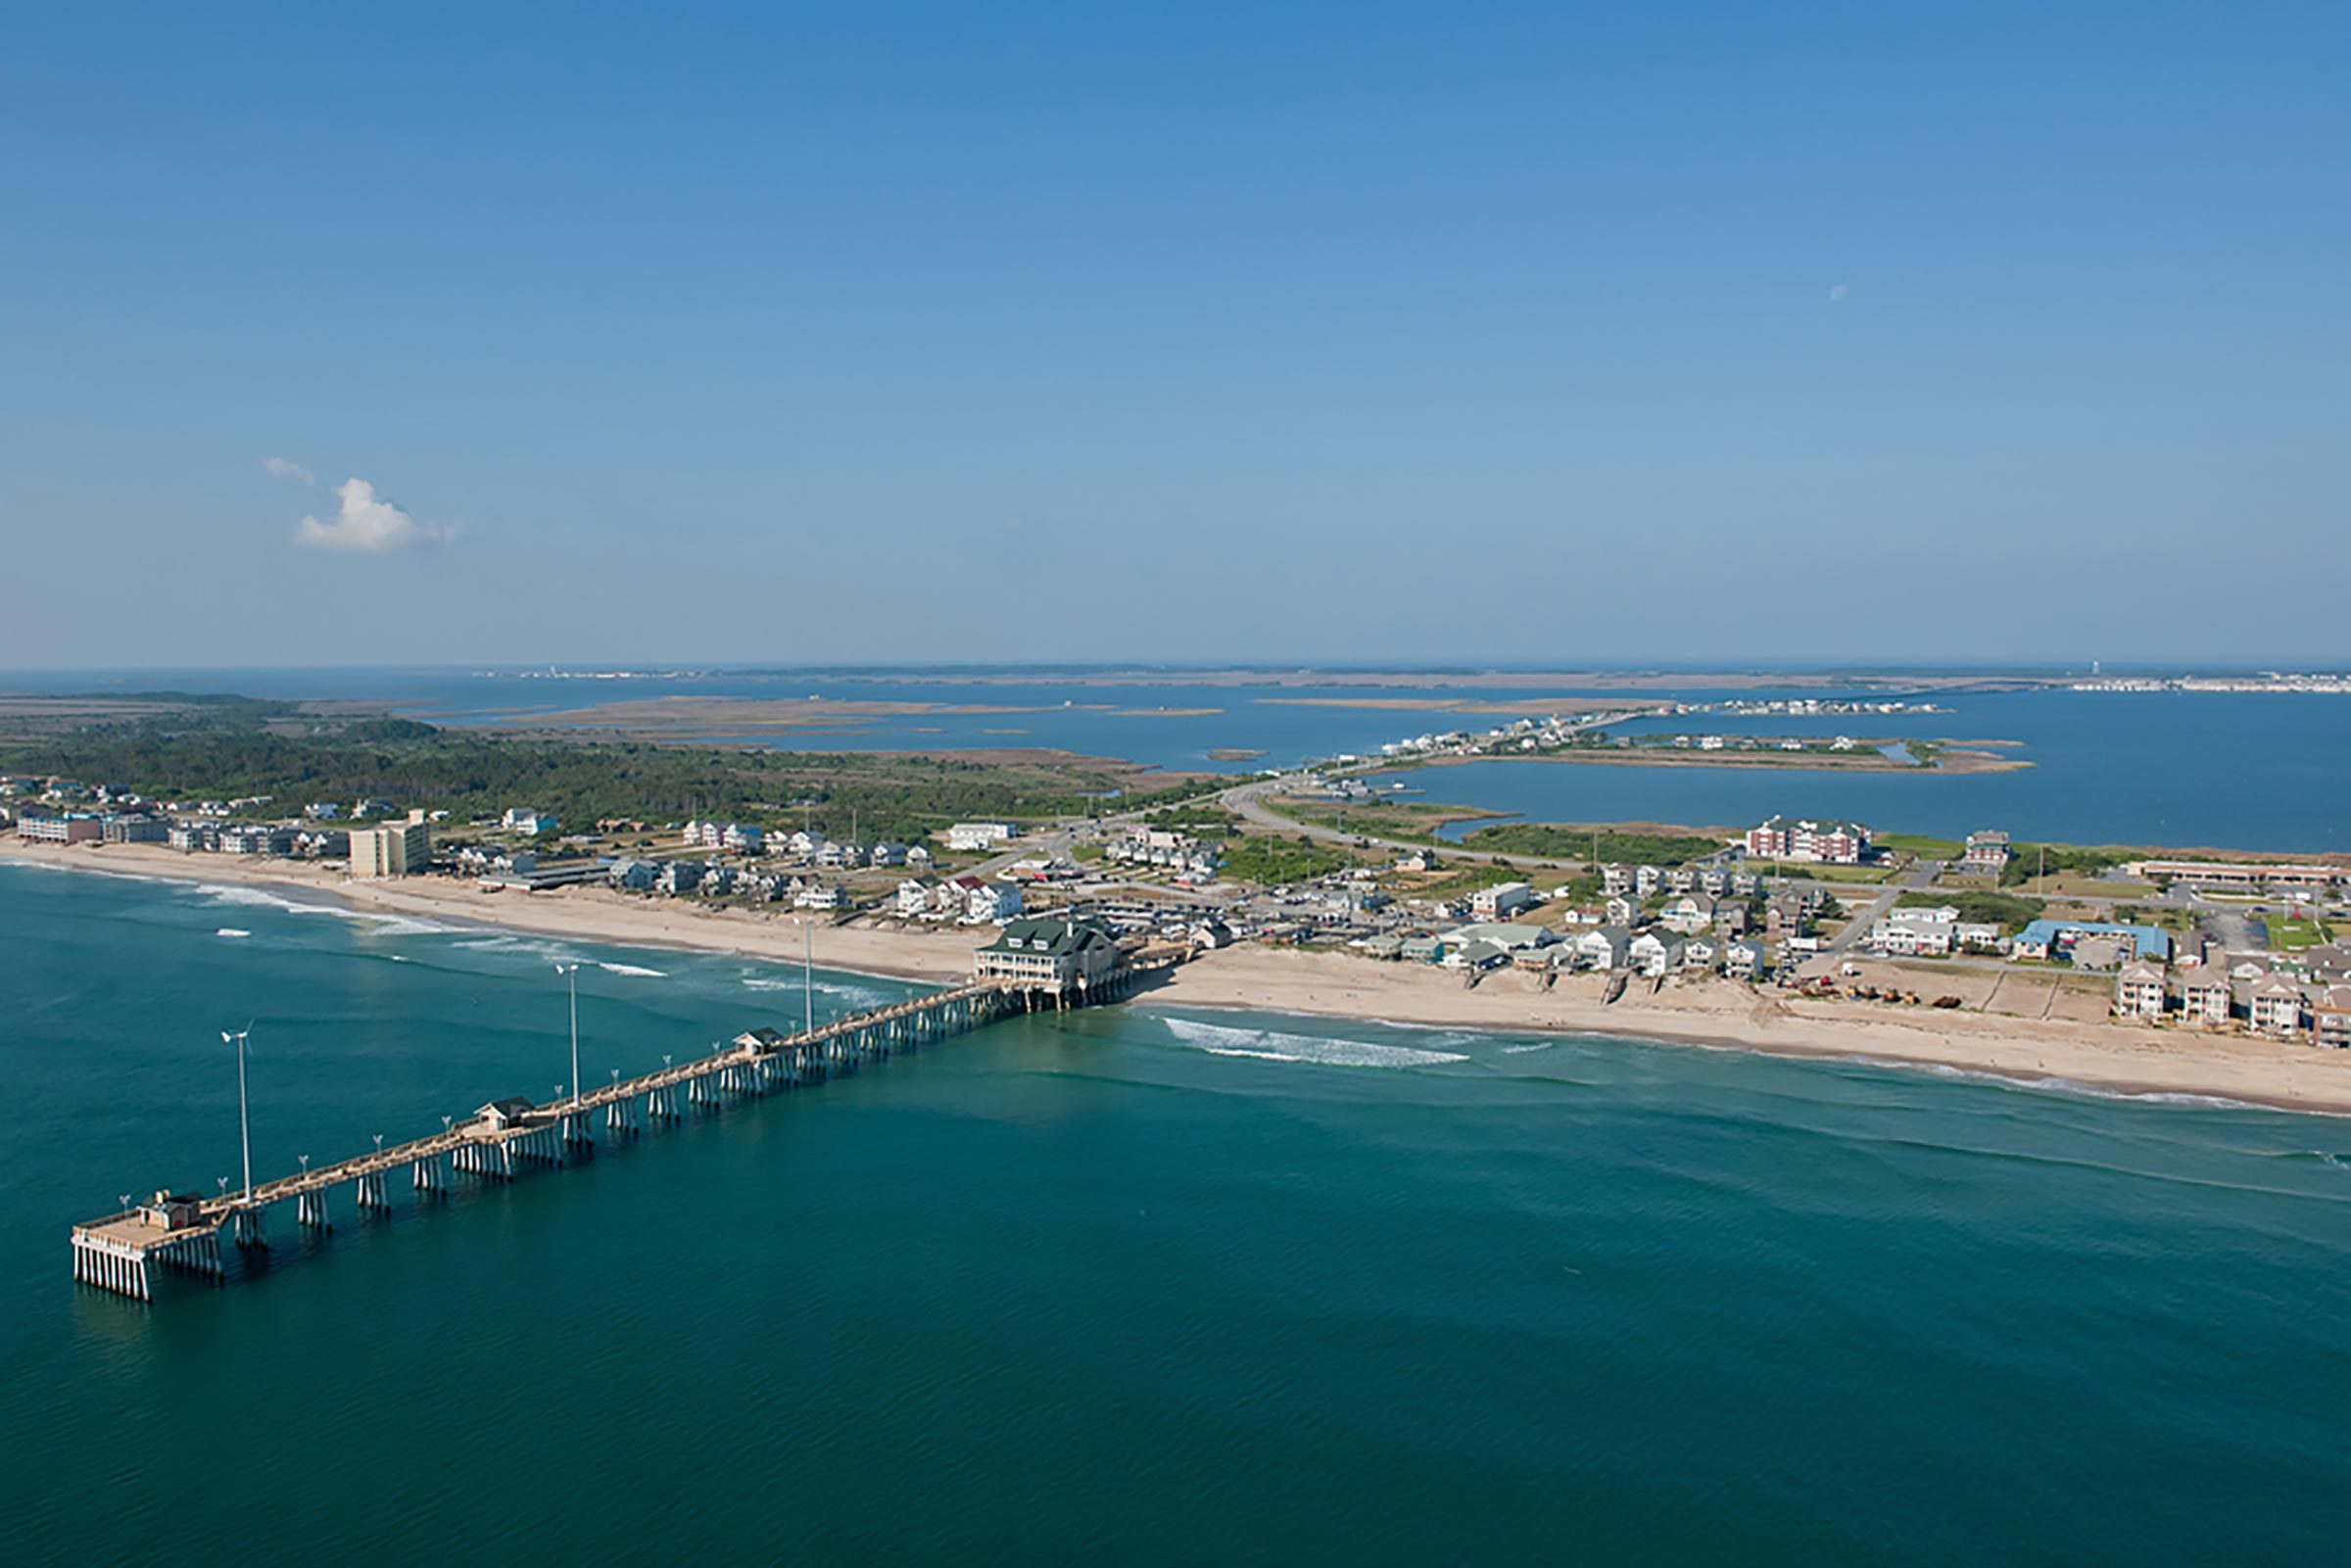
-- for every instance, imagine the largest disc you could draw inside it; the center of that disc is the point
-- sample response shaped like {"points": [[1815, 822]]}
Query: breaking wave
{"points": [[1276, 1045], [234, 896]]}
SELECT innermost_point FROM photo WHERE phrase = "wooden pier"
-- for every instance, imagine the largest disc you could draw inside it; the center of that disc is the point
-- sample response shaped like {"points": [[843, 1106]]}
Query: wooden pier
{"points": [[125, 1253]]}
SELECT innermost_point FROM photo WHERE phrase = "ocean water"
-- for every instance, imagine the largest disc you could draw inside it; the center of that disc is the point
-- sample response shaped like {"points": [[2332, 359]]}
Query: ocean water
{"points": [[1131, 1285], [2176, 769]]}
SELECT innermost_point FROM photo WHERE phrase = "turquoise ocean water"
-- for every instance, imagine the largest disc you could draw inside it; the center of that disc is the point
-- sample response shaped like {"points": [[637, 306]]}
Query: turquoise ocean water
{"points": [[1131, 1285]]}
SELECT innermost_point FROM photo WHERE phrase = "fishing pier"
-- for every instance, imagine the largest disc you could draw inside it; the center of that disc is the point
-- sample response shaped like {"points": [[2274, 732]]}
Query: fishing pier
{"points": [[184, 1233]]}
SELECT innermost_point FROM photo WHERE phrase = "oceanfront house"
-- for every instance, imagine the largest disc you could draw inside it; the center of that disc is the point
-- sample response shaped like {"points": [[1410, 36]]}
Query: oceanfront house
{"points": [[2053, 938], [1610, 947], [1506, 935], [1827, 842], [914, 898], [1501, 901], [2331, 1017], [1978, 936], [633, 875], [2138, 993], [988, 903], [1053, 954], [679, 876], [2274, 1006], [1688, 913], [1988, 854], [134, 828], [524, 819], [1654, 955], [1916, 932], [968, 836], [69, 828], [1421, 948], [192, 836], [258, 840], [1699, 953], [486, 860], [2206, 999], [817, 896], [1742, 960], [717, 882]]}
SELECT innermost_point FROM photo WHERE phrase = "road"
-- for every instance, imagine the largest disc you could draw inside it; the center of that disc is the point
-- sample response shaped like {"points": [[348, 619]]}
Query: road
{"points": [[1919, 877], [1247, 801]]}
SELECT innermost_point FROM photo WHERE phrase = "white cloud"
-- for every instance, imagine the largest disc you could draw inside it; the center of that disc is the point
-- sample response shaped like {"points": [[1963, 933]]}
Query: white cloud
{"points": [[367, 521], [282, 469], [1839, 292]]}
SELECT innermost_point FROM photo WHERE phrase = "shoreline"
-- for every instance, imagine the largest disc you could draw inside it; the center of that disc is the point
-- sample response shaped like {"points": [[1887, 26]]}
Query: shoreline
{"points": [[2099, 1056], [591, 915]]}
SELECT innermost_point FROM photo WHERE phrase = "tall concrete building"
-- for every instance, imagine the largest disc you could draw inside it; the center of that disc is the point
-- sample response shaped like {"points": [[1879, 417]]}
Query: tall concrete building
{"points": [[394, 849]]}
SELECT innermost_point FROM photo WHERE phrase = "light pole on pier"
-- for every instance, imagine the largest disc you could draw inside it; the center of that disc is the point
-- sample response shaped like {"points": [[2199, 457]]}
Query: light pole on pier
{"points": [[571, 973], [244, 1123], [807, 978]]}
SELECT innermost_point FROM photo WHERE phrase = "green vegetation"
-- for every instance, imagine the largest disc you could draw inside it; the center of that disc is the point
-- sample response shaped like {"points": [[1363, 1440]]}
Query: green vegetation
{"points": [[1981, 908], [239, 747], [2293, 933], [1559, 841], [1405, 822], [1271, 861], [2029, 859], [1807, 870], [1920, 847]]}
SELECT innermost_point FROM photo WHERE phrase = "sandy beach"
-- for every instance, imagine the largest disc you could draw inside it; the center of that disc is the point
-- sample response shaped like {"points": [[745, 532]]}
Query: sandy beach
{"points": [[2134, 1059], [590, 914]]}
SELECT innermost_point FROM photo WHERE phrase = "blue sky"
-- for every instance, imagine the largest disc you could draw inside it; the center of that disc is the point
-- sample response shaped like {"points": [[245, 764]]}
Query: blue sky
{"points": [[1217, 331]]}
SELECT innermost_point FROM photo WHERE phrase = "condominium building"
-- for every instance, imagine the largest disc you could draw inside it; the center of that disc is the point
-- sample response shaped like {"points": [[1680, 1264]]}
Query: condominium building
{"points": [[394, 849]]}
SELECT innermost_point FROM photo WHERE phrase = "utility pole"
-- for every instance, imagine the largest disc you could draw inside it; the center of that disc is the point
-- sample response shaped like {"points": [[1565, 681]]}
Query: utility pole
{"points": [[243, 1124], [571, 973]]}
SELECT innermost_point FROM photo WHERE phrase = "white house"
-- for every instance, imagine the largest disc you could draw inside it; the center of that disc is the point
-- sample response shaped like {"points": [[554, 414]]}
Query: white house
{"points": [[1689, 913], [1916, 932], [991, 903], [914, 896], [1653, 954], [1501, 901], [978, 835]]}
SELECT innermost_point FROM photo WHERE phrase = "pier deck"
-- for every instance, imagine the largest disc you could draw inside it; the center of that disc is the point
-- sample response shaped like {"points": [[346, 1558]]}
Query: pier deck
{"points": [[120, 1251]]}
